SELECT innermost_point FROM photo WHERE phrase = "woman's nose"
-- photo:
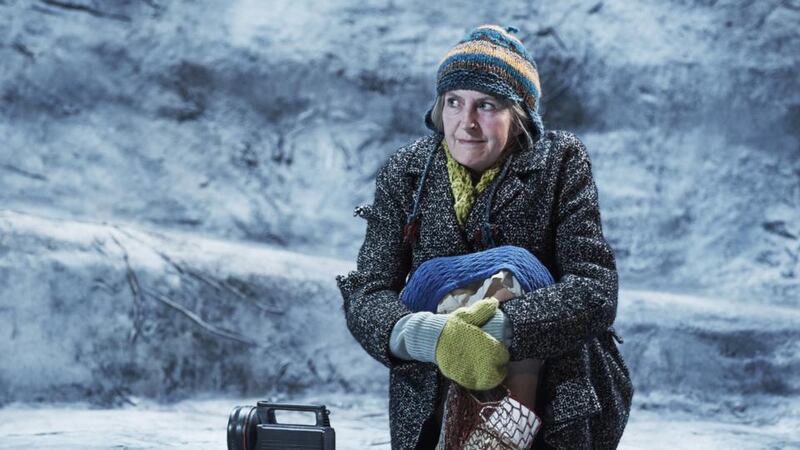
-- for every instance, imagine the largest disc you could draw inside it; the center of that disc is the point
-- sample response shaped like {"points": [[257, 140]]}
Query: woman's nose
{"points": [[469, 119]]}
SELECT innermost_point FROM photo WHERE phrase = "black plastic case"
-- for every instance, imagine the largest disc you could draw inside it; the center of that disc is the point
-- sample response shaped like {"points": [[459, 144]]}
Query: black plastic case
{"points": [[280, 436]]}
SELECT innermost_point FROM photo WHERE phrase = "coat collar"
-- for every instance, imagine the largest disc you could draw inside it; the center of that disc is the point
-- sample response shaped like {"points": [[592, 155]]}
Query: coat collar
{"points": [[525, 162]]}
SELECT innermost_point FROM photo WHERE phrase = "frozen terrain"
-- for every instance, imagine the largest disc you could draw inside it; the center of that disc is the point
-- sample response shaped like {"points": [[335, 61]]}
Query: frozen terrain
{"points": [[360, 422], [177, 181]]}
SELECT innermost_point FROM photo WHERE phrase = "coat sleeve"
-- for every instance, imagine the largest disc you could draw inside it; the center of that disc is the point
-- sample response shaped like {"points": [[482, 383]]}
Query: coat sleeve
{"points": [[583, 302], [371, 293]]}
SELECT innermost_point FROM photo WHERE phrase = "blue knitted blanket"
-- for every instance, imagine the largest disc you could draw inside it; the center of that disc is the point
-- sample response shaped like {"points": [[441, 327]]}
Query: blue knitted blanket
{"points": [[436, 277]]}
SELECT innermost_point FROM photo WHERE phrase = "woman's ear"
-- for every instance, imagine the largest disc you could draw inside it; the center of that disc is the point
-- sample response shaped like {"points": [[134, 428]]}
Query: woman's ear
{"points": [[515, 130]]}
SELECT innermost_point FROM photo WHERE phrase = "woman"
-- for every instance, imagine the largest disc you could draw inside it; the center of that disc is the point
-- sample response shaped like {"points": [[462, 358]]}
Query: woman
{"points": [[489, 175]]}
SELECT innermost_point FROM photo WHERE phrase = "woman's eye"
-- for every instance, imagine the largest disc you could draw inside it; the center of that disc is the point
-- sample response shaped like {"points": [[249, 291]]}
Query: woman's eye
{"points": [[486, 106], [452, 102]]}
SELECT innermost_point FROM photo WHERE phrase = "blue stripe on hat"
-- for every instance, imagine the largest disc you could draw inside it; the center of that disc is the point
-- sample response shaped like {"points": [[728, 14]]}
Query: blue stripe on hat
{"points": [[483, 58], [486, 82]]}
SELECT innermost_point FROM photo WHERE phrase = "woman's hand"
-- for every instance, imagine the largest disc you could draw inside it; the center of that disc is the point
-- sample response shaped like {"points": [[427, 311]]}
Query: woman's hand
{"points": [[503, 294], [468, 355]]}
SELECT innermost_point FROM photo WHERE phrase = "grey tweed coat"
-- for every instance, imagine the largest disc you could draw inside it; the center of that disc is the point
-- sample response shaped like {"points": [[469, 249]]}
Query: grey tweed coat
{"points": [[546, 201]]}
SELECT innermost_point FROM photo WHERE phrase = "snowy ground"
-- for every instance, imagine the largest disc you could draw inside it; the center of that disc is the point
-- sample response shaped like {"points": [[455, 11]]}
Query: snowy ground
{"points": [[360, 422]]}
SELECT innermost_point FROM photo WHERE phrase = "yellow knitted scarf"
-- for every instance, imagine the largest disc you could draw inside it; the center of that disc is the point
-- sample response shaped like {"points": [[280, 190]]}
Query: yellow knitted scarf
{"points": [[464, 192]]}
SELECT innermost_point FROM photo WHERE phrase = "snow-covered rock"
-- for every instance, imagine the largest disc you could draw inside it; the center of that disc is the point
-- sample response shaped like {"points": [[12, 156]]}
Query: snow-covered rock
{"points": [[108, 312], [105, 312]]}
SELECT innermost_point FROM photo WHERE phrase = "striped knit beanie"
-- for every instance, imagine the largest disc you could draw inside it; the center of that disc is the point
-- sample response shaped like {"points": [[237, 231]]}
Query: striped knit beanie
{"points": [[493, 61]]}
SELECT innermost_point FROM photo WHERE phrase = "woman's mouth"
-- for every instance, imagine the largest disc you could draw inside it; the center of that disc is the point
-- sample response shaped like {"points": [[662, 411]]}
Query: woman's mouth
{"points": [[471, 141]]}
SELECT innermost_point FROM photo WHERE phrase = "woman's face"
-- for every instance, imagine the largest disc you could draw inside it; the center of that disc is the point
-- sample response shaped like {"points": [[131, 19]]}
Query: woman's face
{"points": [[476, 127]]}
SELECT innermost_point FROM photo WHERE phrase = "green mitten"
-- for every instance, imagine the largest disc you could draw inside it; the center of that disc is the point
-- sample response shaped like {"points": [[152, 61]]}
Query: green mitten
{"points": [[468, 355]]}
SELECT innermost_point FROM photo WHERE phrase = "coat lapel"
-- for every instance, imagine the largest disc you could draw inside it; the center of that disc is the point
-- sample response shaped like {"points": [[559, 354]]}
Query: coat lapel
{"points": [[525, 162], [437, 192]]}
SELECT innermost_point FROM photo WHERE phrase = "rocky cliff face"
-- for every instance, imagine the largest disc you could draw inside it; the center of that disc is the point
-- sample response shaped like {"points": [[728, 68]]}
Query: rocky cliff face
{"points": [[250, 122], [268, 122]]}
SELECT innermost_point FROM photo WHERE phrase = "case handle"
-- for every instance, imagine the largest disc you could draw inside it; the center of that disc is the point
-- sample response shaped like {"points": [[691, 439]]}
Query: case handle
{"points": [[268, 409]]}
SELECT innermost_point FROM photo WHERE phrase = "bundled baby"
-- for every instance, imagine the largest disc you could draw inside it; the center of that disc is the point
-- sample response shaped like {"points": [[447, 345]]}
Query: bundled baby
{"points": [[442, 285]]}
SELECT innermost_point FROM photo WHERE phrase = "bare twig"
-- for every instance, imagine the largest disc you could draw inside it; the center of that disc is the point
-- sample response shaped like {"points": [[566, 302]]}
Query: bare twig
{"points": [[215, 284], [219, 286], [332, 372], [558, 92], [99, 246], [184, 272], [115, 387], [281, 372], [99, 283], [550, 31], [86, 9], [789, 5], [22, 172], [778, 227], [269, 310], [22, 49], [153, 4], [199, 321], [313, 368], [136, 290], [149, 232]]}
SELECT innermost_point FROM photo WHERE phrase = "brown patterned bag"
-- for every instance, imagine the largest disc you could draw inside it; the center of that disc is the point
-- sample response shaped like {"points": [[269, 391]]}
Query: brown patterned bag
{"points": [[486, 420]]}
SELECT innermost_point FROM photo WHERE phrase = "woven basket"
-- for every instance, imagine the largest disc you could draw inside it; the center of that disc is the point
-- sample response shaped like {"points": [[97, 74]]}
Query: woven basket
{"points": [[486, 420]]}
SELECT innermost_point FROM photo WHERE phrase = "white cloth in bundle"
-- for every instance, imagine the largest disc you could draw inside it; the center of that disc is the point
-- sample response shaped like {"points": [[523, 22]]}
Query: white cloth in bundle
{"points": [[478, 290]]}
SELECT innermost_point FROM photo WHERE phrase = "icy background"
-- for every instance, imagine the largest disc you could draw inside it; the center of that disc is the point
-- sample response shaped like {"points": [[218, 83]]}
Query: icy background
{"points": [[177, 182]]}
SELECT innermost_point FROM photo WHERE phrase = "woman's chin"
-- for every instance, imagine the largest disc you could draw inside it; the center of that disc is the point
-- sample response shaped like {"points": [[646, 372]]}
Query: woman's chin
{"points": [[472, 163], [469, 154]]}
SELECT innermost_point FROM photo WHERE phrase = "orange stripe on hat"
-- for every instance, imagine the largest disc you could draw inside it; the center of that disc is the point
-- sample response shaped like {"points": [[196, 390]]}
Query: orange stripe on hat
{"points": [[520, 64]]}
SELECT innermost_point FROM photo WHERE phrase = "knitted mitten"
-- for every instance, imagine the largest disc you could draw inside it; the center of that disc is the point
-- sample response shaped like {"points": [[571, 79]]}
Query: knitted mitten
{"points": [[468, 355]]}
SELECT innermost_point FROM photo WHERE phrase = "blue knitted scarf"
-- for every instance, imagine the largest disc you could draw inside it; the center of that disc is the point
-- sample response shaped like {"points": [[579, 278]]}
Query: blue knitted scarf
{"points": [[436, 277]]}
